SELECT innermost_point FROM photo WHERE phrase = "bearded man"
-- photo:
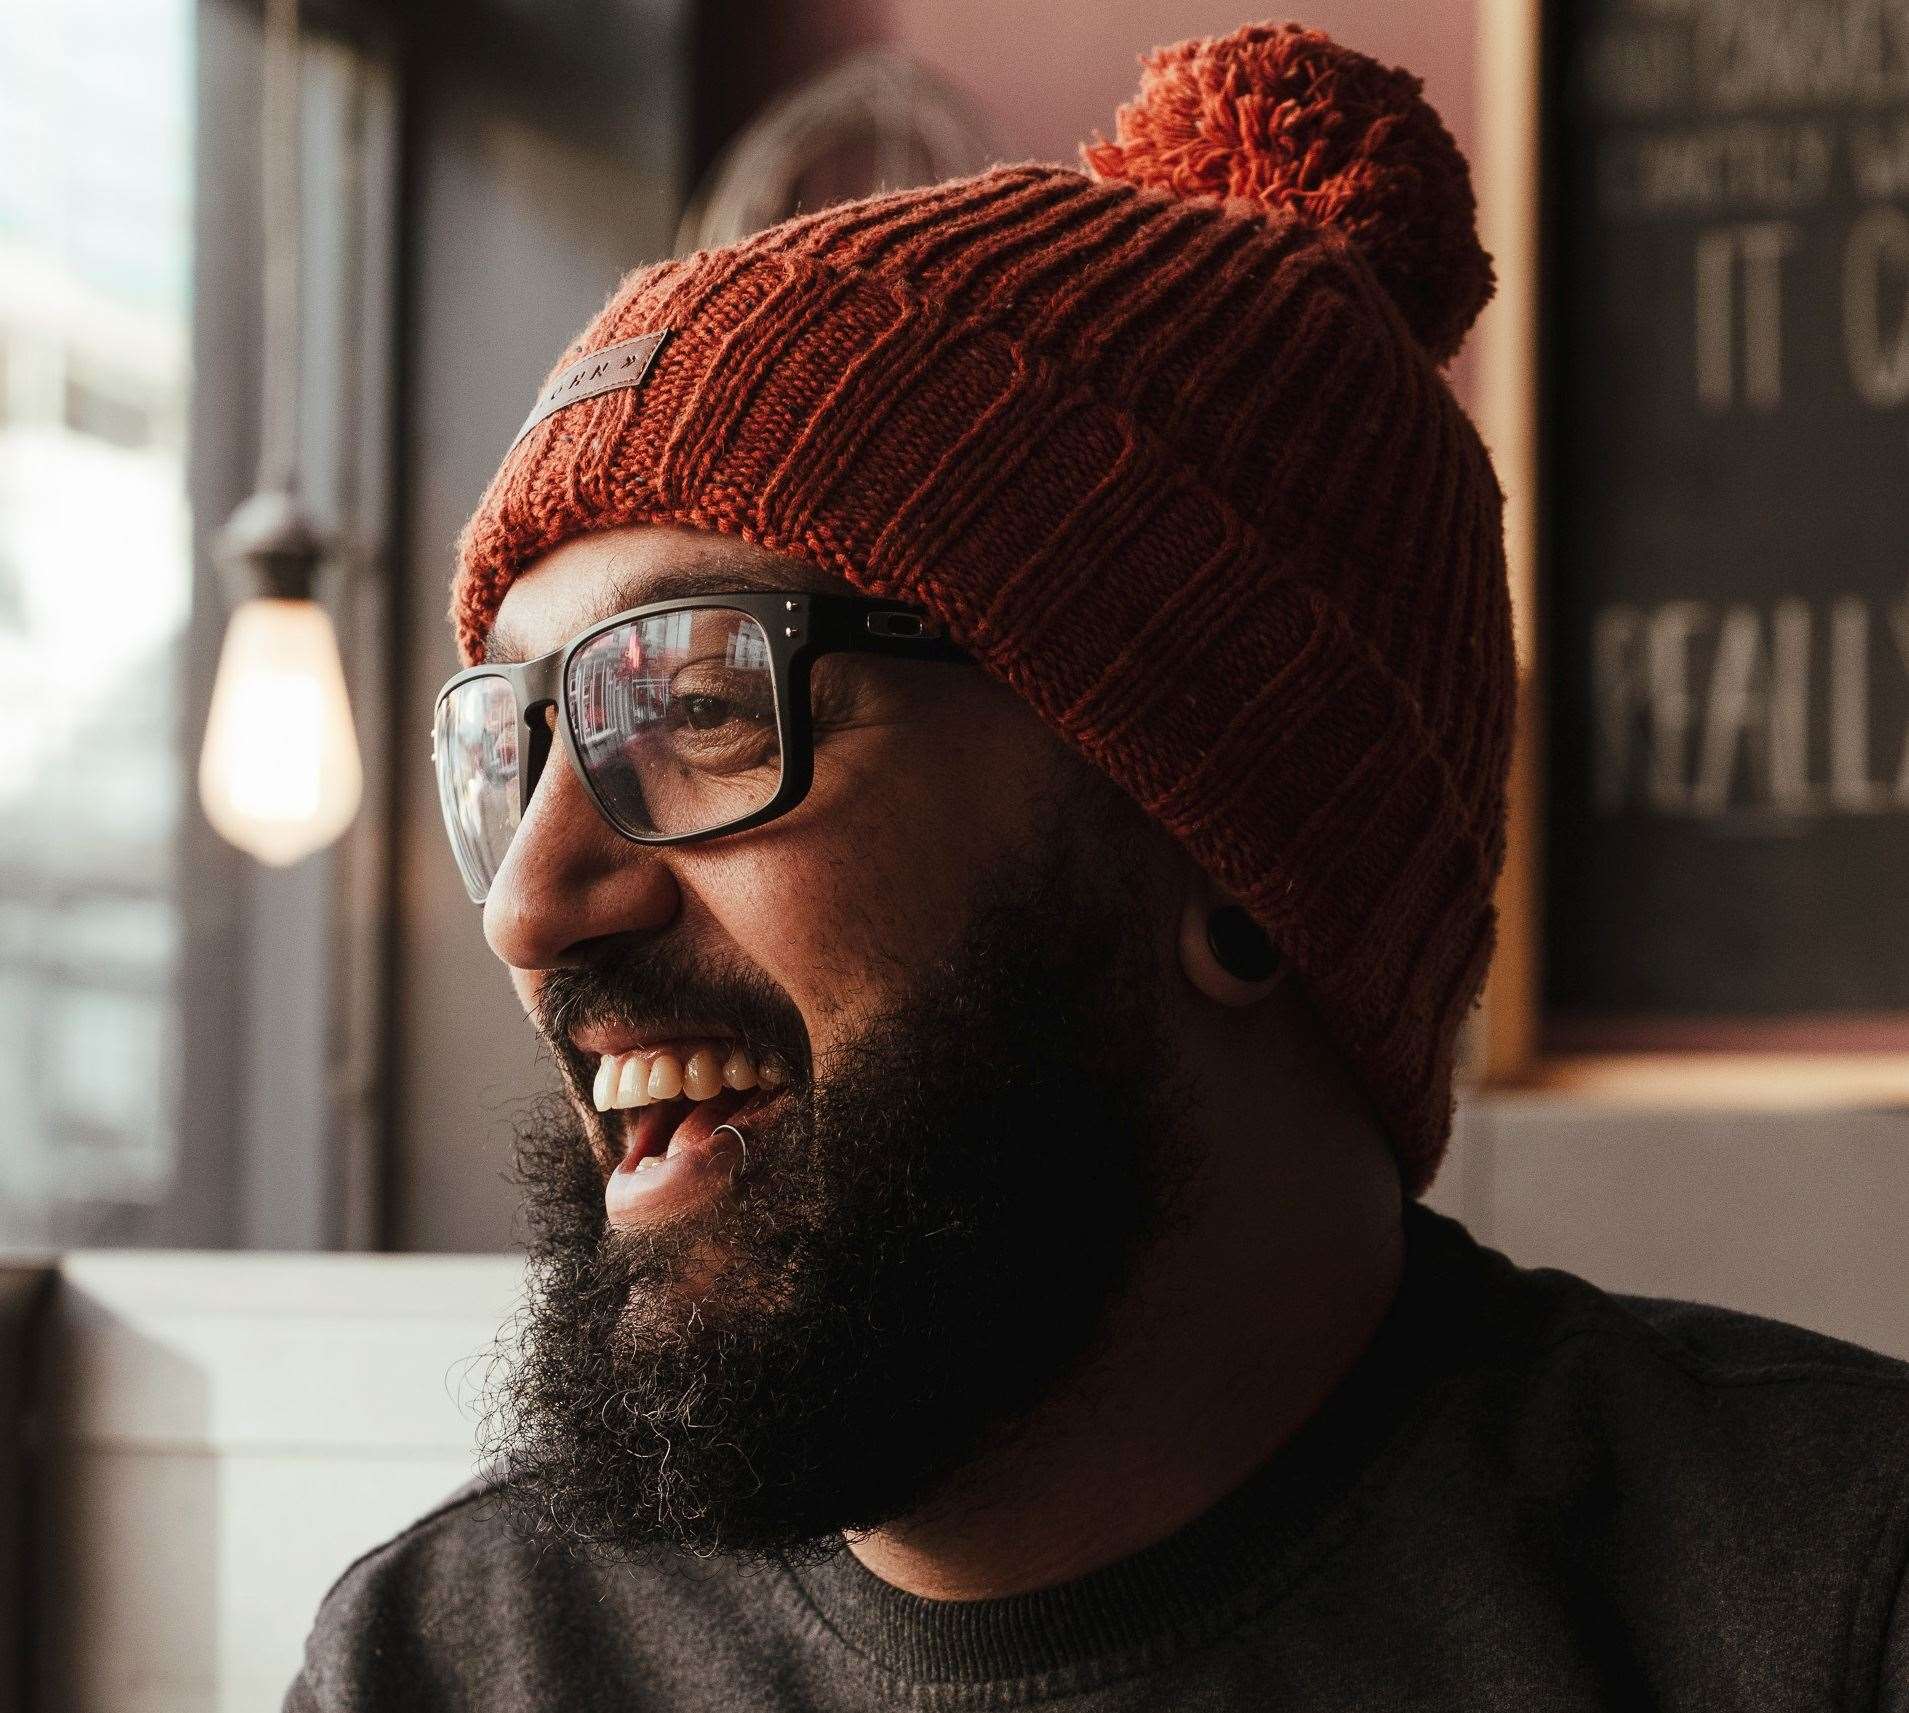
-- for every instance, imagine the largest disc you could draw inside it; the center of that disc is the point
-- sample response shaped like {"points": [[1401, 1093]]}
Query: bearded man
{"points": [[983, 753]]}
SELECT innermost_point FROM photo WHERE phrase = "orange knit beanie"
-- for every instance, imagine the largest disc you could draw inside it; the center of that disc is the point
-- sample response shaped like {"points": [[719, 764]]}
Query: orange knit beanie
{"points": [[1167, 447]]}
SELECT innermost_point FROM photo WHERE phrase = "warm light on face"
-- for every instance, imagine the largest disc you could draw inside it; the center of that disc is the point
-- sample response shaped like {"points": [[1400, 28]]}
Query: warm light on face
{"points": [[279, 776]]}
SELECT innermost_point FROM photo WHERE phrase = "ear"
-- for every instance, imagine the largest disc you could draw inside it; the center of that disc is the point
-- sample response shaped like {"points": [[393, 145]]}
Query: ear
{"points": [[1225, 954]]}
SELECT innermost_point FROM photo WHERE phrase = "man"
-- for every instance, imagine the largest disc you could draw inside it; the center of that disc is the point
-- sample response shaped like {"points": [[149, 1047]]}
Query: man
{"points": [[984, 759]]}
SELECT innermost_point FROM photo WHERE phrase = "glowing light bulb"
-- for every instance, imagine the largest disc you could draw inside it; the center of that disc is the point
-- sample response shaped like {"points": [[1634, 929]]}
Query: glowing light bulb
{"points": [[279, 775]]}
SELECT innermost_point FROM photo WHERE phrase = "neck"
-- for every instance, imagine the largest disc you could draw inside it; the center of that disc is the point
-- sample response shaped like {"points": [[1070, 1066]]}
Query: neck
{"points": [[1245, 1321]]}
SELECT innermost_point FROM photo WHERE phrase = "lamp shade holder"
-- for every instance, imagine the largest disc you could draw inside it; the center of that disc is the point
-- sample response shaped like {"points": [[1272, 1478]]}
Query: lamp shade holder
{"points": [[271, 548]]}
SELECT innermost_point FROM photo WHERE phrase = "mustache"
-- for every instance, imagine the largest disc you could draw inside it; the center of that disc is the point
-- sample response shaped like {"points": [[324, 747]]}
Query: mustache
{"points": [[660, 987]]}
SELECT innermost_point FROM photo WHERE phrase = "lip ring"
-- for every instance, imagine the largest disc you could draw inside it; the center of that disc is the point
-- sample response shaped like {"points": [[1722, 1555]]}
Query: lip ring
{"points": [[744, 1140]]}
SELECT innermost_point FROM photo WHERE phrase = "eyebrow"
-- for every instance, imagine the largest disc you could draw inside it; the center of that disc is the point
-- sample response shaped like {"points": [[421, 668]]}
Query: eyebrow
{"points": [[503, 647]]}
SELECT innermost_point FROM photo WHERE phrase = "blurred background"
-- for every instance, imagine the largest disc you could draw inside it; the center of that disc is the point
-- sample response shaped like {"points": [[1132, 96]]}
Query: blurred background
{"points": [[257, 1065]]}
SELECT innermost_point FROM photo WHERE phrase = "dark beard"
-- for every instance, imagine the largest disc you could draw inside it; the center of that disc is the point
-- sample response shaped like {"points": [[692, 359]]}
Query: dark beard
{"points": [[924, 1248]]}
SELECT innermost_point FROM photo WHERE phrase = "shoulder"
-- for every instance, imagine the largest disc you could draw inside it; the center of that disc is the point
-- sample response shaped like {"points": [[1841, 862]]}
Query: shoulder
{"points": [[1682, 1409], [408, 1602], [1689, 1440], [1687, 1480], [1719, 1346], [1689, 1379], [465, 1608], [1723, 1400], [1730, 1360], [451, 1526], [1523, 1314], [1731, 1344], [460, 1597]]}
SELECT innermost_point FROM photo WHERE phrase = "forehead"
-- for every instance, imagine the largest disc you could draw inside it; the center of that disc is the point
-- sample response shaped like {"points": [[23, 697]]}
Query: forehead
{"points": [[587, 578]]}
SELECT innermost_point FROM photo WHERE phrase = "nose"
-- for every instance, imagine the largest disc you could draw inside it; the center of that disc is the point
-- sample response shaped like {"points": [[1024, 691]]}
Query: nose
{"points": [[569, 878]]}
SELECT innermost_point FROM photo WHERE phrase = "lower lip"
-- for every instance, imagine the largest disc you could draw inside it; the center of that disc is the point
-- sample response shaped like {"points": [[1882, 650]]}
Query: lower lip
{"points": [[703, 1165]]}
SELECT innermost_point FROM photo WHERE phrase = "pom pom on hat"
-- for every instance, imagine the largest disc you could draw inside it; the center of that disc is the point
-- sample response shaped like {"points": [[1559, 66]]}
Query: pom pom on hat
{"points": [[1282, 116]]}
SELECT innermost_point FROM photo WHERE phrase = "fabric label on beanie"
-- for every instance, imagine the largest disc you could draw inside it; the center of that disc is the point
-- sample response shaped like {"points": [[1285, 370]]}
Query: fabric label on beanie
{"points": [[623, 364]]}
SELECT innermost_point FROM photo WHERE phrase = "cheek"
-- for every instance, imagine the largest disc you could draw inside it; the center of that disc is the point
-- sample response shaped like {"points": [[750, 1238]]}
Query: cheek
{"points": [[842, 903]]}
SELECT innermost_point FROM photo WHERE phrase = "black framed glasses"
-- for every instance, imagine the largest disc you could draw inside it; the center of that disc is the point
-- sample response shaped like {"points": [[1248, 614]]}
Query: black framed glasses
{"points": [[684, 719]]}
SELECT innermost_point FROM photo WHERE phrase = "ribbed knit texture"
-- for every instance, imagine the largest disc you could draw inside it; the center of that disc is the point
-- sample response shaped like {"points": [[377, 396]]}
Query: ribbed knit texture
{"points": [[1179, 472]]}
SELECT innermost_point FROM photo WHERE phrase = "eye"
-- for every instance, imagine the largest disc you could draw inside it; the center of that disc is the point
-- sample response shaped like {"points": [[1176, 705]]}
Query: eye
{"points": [[721, 722], [704, 713]]}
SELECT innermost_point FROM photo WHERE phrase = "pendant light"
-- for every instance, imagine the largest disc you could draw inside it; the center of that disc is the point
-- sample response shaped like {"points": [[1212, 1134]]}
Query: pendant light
{"points": [[279, 775]]}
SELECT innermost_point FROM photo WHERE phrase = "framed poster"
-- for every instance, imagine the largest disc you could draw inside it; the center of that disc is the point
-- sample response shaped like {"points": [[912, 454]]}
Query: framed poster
{"points": [[1695, 384]]}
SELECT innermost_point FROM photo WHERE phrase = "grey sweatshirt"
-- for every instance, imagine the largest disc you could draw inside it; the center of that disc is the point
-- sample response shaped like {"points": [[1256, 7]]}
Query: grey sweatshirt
{"points": [[1529, 1493]]}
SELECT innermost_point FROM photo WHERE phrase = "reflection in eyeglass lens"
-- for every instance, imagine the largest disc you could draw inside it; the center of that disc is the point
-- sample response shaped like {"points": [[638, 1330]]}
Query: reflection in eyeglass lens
{"points": [[674, 717], [477, 760]]}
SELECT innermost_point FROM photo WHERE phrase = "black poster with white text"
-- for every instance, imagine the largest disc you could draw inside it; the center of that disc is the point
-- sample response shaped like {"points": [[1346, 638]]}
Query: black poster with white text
{"points": [[1726, 539]]}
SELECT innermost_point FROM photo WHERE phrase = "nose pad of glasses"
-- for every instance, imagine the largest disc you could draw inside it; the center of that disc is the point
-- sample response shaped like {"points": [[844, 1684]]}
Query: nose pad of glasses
{"points": [[540, 719]]}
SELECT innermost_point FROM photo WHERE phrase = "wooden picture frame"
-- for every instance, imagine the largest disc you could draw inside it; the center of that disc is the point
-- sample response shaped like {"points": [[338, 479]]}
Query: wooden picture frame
{"points": [[1766, 1064]]}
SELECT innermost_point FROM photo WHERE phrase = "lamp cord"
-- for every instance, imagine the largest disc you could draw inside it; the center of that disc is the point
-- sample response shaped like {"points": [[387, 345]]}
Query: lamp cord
{"points": [[279, 189]]}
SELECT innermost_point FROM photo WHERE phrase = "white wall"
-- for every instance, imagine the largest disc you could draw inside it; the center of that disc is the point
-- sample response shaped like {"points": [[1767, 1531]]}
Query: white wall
{"points": [[225, 1433]]}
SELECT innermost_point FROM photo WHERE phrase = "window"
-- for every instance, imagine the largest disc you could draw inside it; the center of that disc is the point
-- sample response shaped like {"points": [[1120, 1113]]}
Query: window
{"points": [[96, 102]]}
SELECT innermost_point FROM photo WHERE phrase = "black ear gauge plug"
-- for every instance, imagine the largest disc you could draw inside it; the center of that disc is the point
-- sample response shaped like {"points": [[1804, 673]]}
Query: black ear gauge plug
{"points": [[1239, 944]]}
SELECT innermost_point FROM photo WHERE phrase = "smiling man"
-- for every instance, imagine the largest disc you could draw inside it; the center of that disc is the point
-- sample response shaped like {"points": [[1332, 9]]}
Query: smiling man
{"points": [[983, 755]]}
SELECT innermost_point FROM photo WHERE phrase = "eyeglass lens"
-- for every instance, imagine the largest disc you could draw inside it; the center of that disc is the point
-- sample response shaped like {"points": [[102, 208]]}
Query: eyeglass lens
{"points": [[478, 745], [673, 717]]}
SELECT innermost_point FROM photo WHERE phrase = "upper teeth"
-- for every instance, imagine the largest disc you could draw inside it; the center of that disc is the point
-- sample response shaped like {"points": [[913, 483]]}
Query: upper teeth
{"points": [[637, 1078]]}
